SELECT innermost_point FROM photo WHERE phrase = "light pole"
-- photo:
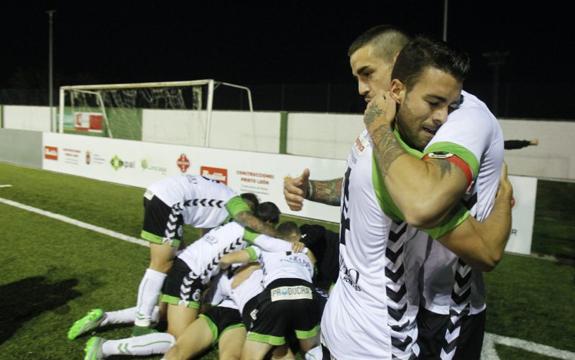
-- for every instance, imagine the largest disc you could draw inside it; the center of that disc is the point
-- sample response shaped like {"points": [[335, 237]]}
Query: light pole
{"points": [[445, 12], [51, 68]]}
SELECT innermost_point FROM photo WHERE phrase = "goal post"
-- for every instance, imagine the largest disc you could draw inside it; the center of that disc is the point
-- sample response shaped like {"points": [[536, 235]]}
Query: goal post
{"points": [[115, 110]]}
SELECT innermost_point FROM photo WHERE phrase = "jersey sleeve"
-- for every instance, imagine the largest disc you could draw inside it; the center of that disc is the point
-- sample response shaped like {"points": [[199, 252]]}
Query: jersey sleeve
{"points": [[254, 252], [466, 134], [236, 205], [250, 236]]}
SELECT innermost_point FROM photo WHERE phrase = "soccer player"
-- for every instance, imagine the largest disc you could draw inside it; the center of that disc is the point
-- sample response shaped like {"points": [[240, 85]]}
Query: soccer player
{"points": [[373, 235], [461, 160], [178, 200], [289, 303]]}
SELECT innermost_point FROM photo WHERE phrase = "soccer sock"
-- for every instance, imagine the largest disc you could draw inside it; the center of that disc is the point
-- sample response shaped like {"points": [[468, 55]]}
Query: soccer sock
{"points": [[148, 293], [155, 343], [126, 316]]}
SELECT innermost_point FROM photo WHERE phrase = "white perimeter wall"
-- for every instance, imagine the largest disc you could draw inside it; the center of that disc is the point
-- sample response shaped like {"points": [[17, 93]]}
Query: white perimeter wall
{"points": [[250, 131], [321, 135], [553, 157], [35, 118], [139, 163]]}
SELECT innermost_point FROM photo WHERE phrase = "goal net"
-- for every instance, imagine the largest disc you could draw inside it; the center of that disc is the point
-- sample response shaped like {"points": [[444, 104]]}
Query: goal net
{"points": [[170, 112]]}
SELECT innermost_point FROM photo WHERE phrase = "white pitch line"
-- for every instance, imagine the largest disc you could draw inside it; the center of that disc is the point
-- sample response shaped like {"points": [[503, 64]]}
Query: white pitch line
{"points": [[75, 222], [5, 185], [525, 345]]}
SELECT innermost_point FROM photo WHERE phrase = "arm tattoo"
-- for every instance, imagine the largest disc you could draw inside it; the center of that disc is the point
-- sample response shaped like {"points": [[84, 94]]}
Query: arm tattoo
{"points": [[371, 114], [247, 219], [326, 192], [444, 166], [387, 149]]}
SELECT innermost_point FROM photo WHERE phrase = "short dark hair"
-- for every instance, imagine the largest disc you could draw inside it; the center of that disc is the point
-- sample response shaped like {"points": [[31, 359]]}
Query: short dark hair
{"points": [[423, 52], [251, 199], [268, 212], [387, 40], [288, 228]]}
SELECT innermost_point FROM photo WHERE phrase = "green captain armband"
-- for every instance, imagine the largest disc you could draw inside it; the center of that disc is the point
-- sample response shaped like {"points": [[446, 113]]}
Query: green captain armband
{"points": [[237, 205], [454, 221]]}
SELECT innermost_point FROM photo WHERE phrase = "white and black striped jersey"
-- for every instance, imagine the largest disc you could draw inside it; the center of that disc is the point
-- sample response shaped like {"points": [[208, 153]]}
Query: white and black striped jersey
{"points": [[203, 203], [370, 313], [203, 255]]}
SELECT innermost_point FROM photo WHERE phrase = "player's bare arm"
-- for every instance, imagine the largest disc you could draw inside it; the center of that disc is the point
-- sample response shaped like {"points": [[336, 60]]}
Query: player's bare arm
{"points": [[236, 257], [481, 244], [297, 189], [424, 190], [326, 192], [248, 220]]}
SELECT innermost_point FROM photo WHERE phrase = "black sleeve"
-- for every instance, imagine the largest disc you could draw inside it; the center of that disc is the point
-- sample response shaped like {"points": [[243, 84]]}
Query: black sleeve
{"points": [[515, 144]]}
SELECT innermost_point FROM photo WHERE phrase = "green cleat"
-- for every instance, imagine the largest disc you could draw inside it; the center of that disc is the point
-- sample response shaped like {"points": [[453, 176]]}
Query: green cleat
{"points": [[93, 349], [89, 322], [142, 330]]}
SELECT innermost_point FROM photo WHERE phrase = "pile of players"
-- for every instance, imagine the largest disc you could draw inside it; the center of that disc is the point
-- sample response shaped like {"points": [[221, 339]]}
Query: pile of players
{"points": [[248, 292]]}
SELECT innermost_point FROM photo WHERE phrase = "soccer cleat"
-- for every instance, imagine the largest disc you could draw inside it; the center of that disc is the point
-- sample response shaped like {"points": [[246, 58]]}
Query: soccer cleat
{"points": [[89, 322], [93, 349], [142, 330]]}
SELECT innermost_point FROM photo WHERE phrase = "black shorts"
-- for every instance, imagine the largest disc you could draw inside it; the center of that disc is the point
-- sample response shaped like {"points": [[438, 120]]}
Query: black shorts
{"points": [[182, 286], [286, 306], [432, 328], [221, 319], [162, 223]]}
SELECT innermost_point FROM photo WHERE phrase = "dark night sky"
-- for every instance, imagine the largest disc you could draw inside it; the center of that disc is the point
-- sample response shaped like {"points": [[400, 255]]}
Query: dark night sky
{"points": [[286, 42]]}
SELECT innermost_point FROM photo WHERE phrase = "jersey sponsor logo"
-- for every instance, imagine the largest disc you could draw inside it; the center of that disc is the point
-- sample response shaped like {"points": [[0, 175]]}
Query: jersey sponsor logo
{"points": [[218, 174], [299, 259], [50, 152], [291, 293], [183, 163], [350, 276], [358, 145]]}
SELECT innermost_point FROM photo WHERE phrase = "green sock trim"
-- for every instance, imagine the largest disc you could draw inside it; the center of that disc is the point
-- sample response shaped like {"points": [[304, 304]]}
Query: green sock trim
{"points": [[268, 339], [174, 300], [153, 238], [306, 334]]}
